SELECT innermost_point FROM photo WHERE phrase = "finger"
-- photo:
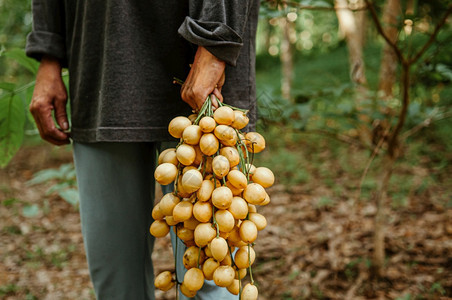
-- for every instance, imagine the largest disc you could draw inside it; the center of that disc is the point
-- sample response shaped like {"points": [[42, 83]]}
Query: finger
{"points": [[49, 130], [213, 98], [218, 94], [221, 81], [60, 113]]}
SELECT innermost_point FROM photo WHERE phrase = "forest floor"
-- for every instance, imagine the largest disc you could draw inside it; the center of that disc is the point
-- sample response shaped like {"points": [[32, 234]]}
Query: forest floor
{"points": [[308, 251]]}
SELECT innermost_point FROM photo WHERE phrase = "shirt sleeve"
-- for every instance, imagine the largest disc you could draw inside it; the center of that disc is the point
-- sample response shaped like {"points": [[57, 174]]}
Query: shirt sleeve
{"points": [[48, 30], [217, 25]]}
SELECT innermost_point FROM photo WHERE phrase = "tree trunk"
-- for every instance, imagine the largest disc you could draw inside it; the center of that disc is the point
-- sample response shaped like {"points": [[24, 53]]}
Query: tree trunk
{"points": [[389, 61], [286, 56], [349, 28], [380, 217]]}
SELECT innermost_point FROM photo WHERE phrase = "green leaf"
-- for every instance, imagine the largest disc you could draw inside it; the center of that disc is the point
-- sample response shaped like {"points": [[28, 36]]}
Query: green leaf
{"points": [[70, 196], [19, 56], [7, 86], [44, 176], [12, 122], [30, 211]]}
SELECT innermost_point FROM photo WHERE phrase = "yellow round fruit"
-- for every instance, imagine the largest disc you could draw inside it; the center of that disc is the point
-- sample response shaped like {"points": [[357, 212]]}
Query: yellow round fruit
{"points": [[199, 156], [209, 144], [254, 193], [224, 115], [190, 258], [192, 135], [249, 292], [220, 166], [164, 281], [223, 276], [183, 211], [184, 234], [225, 220], [238, 208], [264, 176], [205, 191], [231, 154], [240, 273], [167, 204], [240, 120], [219, 248], [163, 153], [255, 142], [222, 197], [209, 267], [194, 279], [192, 222], [157, 213], [266, 201], [204, 233], [159, 228], [185, 154], [192, 117], [242, 259], [170, 157], [224, 133], [259, 220], [170, 221], [192, 180], [207, 124], [248, 231], [235, 191], [202, 211], [234, 288], [165, 173], [237, 179], [177, 125], [188, 293]]}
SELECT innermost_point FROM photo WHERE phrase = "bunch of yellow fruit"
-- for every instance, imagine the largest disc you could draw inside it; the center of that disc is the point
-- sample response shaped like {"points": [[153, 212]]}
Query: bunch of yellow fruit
{"points": [[213, 205]]}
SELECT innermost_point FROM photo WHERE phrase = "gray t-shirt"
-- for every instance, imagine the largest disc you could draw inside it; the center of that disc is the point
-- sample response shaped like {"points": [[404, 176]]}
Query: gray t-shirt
{"points": [[122, 57]]}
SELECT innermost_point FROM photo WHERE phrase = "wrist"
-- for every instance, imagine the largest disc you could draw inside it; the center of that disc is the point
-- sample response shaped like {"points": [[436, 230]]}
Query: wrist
{"points": [[49, 68]]}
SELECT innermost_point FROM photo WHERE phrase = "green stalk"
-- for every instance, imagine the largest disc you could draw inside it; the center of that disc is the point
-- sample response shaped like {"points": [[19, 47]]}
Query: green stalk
{"points": [[215, 221], [199, 255], [249, 261]]}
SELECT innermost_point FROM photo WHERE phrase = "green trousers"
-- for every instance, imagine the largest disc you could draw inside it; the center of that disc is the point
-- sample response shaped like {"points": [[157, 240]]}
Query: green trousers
{"points": [[116, 187]]}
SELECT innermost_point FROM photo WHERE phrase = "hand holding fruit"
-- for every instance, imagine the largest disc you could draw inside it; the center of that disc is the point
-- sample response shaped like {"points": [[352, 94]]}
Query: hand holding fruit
{"points": [[206, 77]]}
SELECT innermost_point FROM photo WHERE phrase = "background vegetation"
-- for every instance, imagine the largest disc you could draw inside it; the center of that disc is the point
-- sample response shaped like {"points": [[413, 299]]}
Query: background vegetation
{"points": [[355, 100]]}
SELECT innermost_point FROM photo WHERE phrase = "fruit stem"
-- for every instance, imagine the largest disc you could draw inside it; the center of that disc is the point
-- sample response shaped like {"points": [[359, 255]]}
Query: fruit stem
{"points": [[199, 256], [177, 179], [220, 104], [249, 261], [215, 220], [178, 81], [202, 110], [238, 273]]}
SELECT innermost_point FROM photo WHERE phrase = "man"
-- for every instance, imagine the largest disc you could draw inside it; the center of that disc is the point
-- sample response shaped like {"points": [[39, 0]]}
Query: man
{"points": [[122, 57]]}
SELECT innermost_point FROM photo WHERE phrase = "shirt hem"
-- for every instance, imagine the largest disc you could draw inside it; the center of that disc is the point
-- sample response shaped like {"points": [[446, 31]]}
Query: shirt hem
{"points": [[121, 134]]}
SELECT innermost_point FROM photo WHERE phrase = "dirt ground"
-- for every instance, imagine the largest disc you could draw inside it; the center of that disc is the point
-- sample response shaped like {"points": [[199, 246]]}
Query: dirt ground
{"points": [[308, 250]]}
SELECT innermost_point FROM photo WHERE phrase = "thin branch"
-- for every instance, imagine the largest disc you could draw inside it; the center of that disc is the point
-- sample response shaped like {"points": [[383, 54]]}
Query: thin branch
{"points": [[372, 158], [427, 122], [381, 31], [432, 36]]}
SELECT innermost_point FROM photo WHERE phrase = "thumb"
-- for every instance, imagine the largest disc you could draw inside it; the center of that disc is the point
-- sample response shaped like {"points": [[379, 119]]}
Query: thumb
{"points": [[61, 113]]}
